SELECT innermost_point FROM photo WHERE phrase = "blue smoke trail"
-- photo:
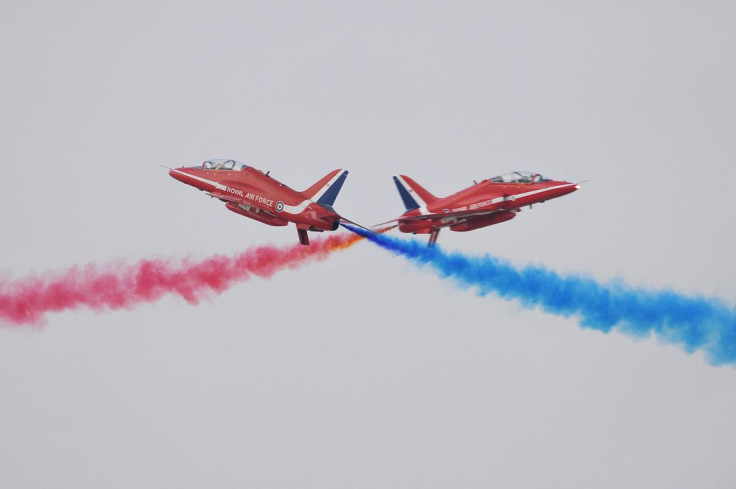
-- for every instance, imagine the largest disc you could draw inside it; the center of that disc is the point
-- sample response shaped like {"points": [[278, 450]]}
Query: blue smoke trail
{"points": [[693, 323]]}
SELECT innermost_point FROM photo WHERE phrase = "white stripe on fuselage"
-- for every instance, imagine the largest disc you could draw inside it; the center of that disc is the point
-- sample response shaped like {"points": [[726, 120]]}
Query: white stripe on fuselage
{"points": [[532, 192], [297, 209], [217, 185], [425, 211], [289, 209], [539, 191]]}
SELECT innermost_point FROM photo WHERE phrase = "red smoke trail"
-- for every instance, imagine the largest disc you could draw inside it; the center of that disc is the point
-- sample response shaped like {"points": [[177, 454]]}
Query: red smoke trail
{"points": [[118, 285]]}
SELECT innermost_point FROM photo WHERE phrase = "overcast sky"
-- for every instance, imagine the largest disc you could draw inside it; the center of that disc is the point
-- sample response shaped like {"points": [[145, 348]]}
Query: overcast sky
{"points": [[363, 371]]}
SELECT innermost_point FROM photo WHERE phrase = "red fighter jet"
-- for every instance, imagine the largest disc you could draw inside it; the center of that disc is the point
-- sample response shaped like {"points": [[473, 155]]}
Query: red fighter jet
{"points": [[251, 193], [489, 202]]}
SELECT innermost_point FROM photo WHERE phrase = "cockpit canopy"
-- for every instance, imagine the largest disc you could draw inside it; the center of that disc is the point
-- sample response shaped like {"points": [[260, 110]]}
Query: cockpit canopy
{"points": [[519, 177], [223, 165]]}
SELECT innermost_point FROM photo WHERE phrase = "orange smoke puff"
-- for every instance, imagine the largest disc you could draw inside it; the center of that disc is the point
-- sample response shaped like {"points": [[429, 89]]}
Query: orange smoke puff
{"points": [[341, 242], [385, 230]]}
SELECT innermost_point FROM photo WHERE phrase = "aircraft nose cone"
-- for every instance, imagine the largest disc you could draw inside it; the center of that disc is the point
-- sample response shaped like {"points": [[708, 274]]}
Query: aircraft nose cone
{"points": [[178, 175], [573, 187], [184, 176]]}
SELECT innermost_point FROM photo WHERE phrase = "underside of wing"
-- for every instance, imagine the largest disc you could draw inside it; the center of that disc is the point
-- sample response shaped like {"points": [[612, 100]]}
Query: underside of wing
{"points": [[247, 208], [443, 216], [226, 197]]}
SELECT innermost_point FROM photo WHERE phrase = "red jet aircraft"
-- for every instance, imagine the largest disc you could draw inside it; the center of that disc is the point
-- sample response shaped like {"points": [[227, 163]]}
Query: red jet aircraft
{"points": [[251, 193], [491, 201]]}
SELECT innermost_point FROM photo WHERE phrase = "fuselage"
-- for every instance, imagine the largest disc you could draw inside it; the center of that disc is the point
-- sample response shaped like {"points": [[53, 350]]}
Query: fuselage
{"points": [[249, 192], [488, 202]]}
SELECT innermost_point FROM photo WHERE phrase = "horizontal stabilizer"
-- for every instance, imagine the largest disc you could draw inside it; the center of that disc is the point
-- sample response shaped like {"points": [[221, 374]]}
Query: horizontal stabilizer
{"points": [[438, 217]]}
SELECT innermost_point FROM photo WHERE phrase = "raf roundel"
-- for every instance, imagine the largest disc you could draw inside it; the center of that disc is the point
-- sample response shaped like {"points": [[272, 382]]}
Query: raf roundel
{"points": [[279, 206]]}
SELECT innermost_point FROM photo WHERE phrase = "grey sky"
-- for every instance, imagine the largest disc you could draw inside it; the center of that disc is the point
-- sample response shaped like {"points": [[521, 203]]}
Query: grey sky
{"points": [[363, 371]]}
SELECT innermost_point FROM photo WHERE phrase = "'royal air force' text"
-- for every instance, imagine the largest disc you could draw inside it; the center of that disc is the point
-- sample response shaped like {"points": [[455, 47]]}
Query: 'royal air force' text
{"points": [[250, 196]]}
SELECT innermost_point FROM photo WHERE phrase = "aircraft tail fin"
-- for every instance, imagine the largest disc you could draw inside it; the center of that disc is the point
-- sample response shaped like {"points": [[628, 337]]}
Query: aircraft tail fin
{"points": [[325, 191], [413, 194]]}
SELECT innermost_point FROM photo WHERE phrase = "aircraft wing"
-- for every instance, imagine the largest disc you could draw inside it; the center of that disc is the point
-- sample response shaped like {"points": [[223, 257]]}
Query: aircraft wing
{"points": [[226, 197], [468, 214], [234, 199]]}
